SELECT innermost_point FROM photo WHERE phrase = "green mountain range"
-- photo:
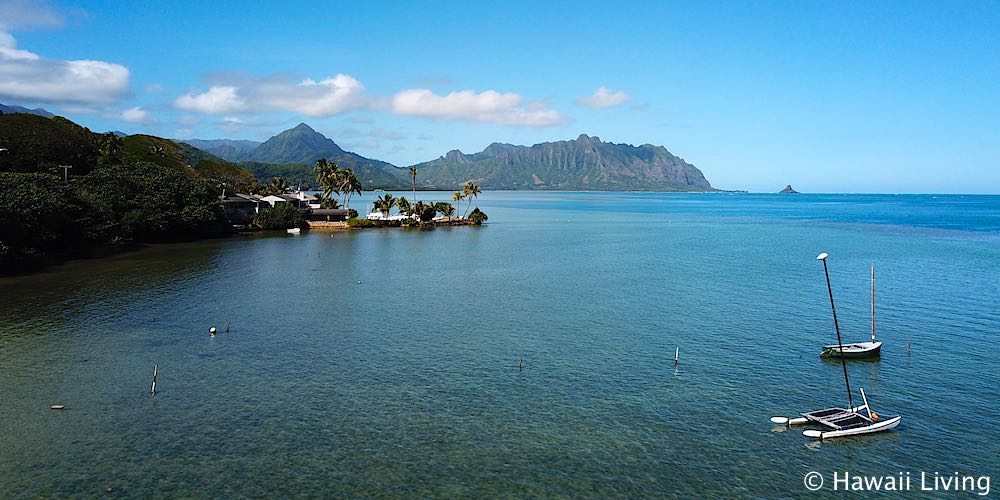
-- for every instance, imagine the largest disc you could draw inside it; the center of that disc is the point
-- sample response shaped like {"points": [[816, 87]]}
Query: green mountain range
{"points": [[585, 164], [227, 149]]}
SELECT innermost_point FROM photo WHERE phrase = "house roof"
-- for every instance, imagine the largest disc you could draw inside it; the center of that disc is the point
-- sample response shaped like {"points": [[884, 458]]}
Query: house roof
{"points": [[329, 211]]}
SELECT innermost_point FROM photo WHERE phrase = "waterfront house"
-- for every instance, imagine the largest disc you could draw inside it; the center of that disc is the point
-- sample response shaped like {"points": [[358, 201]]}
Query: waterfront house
{"points": [[327, 214], [240, 207]]}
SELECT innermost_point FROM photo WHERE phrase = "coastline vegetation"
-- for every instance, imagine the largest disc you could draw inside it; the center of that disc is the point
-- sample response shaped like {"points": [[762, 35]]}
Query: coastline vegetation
{"points": [[67, 192]]}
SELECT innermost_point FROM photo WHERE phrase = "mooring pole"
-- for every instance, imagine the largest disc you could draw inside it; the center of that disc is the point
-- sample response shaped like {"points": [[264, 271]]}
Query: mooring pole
{"points": [[152, 390]]}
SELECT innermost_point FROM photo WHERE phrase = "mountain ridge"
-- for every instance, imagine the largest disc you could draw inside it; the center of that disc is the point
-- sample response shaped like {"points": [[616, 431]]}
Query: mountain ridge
{"points": [[586, 163], [10, 109]]}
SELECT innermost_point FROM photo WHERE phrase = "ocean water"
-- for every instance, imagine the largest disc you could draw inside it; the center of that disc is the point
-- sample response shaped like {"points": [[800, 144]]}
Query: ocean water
{"points": [[386, 362]]}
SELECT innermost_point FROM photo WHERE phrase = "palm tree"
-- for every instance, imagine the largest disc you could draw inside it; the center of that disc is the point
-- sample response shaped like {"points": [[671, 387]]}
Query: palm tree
{"points": [[457, 198], [444, 208], [404, 206], [110, 149], [327, 175], [349, 184], [413, 176], [471, 191], [384, 204], [277, 185]]}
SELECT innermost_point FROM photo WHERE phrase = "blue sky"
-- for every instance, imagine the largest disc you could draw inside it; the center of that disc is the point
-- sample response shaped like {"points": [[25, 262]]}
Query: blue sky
{"points": [[829, 97]]}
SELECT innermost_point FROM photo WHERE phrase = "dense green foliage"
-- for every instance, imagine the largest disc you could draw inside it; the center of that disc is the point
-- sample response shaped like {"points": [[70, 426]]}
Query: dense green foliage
{"points": [[281, 216], [356, 223], [232, 178], [140, 188], [39, 214], [38, 144], [148, 202], [478, 217], [276, 186], [148, 148]]}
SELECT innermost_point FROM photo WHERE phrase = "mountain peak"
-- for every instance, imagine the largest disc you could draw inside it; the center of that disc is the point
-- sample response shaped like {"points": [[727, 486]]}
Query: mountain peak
{"points": [[300, 144], [586, 139]]}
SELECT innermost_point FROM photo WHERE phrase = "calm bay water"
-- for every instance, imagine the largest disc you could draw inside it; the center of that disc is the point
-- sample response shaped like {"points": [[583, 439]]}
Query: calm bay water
{"points": [[384, 362]]}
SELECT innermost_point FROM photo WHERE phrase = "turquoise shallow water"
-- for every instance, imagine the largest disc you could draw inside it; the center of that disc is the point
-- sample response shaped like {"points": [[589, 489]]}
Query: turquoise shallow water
{"points": [[406, 384]]}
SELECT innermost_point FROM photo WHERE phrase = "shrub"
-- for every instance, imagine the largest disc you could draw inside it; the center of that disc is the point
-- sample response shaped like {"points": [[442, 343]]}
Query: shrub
{"points": [[366, 223], [280, 216], [351, 213], [360, 223], [428, 213], [478, 216]]}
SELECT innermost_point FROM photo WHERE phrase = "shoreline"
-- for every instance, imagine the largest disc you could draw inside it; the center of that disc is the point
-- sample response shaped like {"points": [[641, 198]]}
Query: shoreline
{"points": [[343, 226]]}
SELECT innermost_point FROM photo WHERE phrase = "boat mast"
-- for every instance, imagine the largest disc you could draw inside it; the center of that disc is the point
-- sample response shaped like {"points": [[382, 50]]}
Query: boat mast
{"points": [[873, 300], [836, 326]]}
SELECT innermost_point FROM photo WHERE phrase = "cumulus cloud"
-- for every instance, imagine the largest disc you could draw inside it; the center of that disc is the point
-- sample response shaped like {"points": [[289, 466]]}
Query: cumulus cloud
{"points": [[137, 115], [219, 99], [604, 97], [26, 76], [485, 107], [309, 97]]}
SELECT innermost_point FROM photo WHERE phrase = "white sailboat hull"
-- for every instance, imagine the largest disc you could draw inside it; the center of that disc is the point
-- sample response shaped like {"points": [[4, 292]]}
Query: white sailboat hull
{"points": [[855, 350]]}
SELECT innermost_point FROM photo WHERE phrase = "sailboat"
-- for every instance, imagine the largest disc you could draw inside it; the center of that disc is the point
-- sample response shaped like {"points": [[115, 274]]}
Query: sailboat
{"points": [[859, 349], [835, 421]]}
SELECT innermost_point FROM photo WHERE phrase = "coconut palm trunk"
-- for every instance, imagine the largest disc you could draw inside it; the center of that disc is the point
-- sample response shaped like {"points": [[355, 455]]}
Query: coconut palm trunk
{"points": [[413, 177]]}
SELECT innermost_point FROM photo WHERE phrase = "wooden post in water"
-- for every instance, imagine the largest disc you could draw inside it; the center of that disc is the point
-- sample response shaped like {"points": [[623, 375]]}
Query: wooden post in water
{"points": [[520, 363], [152, 390]]}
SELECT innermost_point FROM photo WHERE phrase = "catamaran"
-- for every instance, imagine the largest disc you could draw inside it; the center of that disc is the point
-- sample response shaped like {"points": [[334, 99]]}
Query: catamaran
{"points": [[835, 421], [859, 349]]}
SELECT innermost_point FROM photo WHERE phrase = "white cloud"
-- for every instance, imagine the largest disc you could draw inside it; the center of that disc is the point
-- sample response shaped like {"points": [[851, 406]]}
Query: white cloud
{"points": [[218, 99], [604, 97], [319, 99], [486, 107], [21, 14], [28, 77], [308, 97], [137, 115]]}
